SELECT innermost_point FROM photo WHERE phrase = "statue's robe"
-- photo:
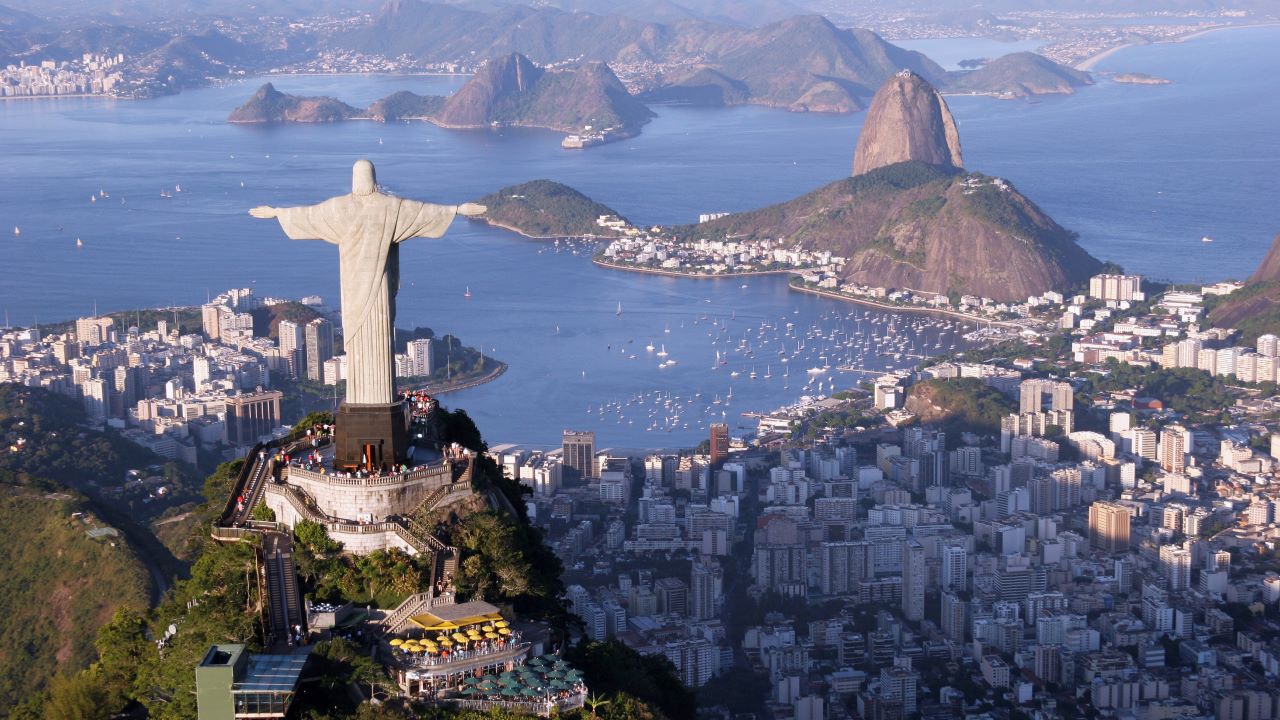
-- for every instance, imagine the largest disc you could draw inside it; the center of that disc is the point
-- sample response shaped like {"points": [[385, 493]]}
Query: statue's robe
{"points": [[368, 230]]}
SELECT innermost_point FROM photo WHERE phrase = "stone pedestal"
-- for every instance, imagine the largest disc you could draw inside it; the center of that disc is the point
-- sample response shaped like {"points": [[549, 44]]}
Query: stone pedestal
{"points": [[371, 436]]}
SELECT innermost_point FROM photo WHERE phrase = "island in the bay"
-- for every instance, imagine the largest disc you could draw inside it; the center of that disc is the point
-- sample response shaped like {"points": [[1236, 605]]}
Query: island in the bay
{"points": [[587, 102], [1137, 78]]}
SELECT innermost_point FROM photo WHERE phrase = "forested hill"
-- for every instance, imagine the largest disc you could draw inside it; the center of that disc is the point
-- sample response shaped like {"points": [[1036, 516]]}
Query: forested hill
{"points": [[544, 208]]}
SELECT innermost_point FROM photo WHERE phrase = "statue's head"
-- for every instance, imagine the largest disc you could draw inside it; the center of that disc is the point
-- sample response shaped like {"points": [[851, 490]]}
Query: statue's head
{"points": [[363, 179]]}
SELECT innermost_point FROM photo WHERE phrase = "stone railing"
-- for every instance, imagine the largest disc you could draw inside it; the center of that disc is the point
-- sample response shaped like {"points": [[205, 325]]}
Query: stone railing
{"points": [[425, 472], [298, 500], [425, 544], [412, 605], [528, 707], [300, 503]]}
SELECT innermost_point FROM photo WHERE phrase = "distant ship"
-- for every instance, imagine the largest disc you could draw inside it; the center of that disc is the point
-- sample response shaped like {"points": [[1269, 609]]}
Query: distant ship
{"points": [[1206, 239], [17, 230], [79, 243], [619, 310], [467, 294]]}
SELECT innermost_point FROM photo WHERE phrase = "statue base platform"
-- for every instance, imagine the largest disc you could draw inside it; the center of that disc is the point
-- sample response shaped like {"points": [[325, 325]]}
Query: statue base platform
{"points": [[371, 437]]}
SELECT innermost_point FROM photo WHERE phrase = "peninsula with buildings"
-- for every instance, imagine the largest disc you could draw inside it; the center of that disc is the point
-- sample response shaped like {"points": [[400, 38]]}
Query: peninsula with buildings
{"points": [[214, 380]]}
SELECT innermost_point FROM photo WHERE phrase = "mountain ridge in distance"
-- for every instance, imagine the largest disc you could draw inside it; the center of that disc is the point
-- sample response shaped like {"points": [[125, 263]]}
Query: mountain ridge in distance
{"points": [[802, 63]]}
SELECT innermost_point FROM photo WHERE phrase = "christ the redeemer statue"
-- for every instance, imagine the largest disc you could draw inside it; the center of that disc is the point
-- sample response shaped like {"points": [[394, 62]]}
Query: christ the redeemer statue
{"points": [[368, 227]]}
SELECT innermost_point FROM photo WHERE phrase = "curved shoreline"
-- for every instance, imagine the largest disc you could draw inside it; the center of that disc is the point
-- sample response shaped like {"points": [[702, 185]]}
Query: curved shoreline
{"points": [[1090, 62], [521, 233], [488, 377], [821, 293], [692, 276], [902, 308]]}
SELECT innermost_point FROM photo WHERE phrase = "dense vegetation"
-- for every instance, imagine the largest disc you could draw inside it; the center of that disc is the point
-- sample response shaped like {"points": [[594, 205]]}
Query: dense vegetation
{"points": [[959, 404], [405, 105], [610, 668], [188, 321], [1196, 393], [54, 447], [1253, 310], [266, 318], [544, 208], [503, 556], [61, 585]]}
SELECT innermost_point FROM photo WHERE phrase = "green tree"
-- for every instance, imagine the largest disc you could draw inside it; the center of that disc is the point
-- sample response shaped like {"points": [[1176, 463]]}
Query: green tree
{"points": [[611, 667], [314, 537], [122, 647], [77, 697], [263, 513]]}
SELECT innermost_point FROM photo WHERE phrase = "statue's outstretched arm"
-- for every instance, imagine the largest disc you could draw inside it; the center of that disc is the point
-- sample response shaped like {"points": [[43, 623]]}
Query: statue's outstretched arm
{"points": [[308, 222]]}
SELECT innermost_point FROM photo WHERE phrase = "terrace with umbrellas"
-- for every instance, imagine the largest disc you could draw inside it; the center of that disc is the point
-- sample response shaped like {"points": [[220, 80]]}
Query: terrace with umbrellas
{"points": [[468, 654]]}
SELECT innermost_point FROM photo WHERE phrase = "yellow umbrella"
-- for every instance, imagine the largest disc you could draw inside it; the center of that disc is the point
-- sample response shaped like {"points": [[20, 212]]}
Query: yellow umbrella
{"points": [[446, 643], [441, 637], [503, 631], [396, 642], [500, 623], [487, 628], [459, 637], [491, 635]]}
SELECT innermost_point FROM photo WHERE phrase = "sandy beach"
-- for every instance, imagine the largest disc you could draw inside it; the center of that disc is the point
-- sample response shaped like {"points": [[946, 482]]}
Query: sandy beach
{"points": [[1091, 61]]}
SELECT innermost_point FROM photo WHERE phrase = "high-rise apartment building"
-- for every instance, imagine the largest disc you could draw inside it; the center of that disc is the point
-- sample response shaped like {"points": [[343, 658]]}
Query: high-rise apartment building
{"points": [[579, 457], [319, 334], [421, 357], [1116, 288], [719, 442], [1175, 443], [1034, 393], [914, 575], [955, 567], [92, 331], [955, 617], [1109, 526], [293, 348], [252, 415], [1175, 563], [706, 583]]}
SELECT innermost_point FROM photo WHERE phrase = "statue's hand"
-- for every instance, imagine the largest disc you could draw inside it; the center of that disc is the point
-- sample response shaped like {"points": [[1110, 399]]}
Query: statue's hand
{"points": [[263, 211], [471, 209]]}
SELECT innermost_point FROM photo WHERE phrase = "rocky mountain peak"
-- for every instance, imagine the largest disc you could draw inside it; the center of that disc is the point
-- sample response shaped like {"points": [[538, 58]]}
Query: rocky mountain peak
{"points": [[908, 120]]}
